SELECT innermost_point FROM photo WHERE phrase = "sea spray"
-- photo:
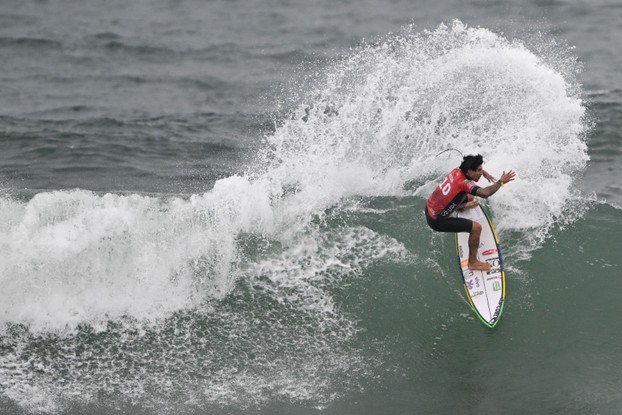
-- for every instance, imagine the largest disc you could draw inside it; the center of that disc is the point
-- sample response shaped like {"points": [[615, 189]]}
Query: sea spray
{"points": [[228, 298], [382, 113]]}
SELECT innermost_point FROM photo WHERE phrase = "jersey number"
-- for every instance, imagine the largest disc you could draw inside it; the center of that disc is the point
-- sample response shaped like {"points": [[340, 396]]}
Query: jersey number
{"points": [[445, 186]]}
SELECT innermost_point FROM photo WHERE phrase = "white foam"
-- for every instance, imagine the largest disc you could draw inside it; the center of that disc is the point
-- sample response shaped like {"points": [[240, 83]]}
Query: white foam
{"points": [[373, 124], [381, 115], [76, 257]]}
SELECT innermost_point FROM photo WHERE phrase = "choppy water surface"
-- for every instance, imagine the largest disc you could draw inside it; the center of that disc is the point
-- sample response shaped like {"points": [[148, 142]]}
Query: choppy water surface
{"points": [[217, 207]]}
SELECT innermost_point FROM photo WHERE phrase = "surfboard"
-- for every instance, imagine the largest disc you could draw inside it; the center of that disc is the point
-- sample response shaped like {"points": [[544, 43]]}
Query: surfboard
{"points": [[485, 290]]}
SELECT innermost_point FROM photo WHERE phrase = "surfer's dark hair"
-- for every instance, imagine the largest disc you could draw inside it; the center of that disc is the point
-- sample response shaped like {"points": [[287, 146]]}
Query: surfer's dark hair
{"points": [[471, 162]]}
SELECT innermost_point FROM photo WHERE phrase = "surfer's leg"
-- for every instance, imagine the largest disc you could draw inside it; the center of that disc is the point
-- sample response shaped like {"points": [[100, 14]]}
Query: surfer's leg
{"points": [[474, 236], [449, 224]]}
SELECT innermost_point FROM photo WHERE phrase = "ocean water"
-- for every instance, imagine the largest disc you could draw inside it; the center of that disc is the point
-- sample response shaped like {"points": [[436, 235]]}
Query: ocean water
{"points": [[215, 207]]}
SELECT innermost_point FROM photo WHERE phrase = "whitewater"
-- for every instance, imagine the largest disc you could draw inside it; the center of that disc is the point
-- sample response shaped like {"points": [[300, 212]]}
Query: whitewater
{"points": [[233, 297]]}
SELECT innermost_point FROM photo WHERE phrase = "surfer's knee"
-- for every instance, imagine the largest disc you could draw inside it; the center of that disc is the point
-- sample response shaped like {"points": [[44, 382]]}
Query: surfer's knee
{"points": [[476, 228]]}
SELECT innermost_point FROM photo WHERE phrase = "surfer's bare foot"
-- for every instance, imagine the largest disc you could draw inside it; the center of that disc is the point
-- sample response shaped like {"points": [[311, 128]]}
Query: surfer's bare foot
{"points": [[479, 265]]}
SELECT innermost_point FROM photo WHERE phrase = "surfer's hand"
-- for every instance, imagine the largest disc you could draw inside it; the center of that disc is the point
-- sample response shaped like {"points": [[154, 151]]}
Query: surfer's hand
{"points": [[508, 177], [488, 177], [471, 204]]}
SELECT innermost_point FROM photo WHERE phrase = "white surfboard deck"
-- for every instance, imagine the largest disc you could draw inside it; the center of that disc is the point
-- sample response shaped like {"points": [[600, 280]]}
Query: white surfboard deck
{"points": [[485, 289]]}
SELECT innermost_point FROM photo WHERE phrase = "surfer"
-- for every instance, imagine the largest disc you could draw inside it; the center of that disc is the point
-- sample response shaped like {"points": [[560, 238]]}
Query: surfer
{"points": [[457, 191]]}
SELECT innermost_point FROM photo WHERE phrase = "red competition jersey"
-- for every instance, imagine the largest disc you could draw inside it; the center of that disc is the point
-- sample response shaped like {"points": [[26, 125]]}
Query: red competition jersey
{"points": [[449, 194]]}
